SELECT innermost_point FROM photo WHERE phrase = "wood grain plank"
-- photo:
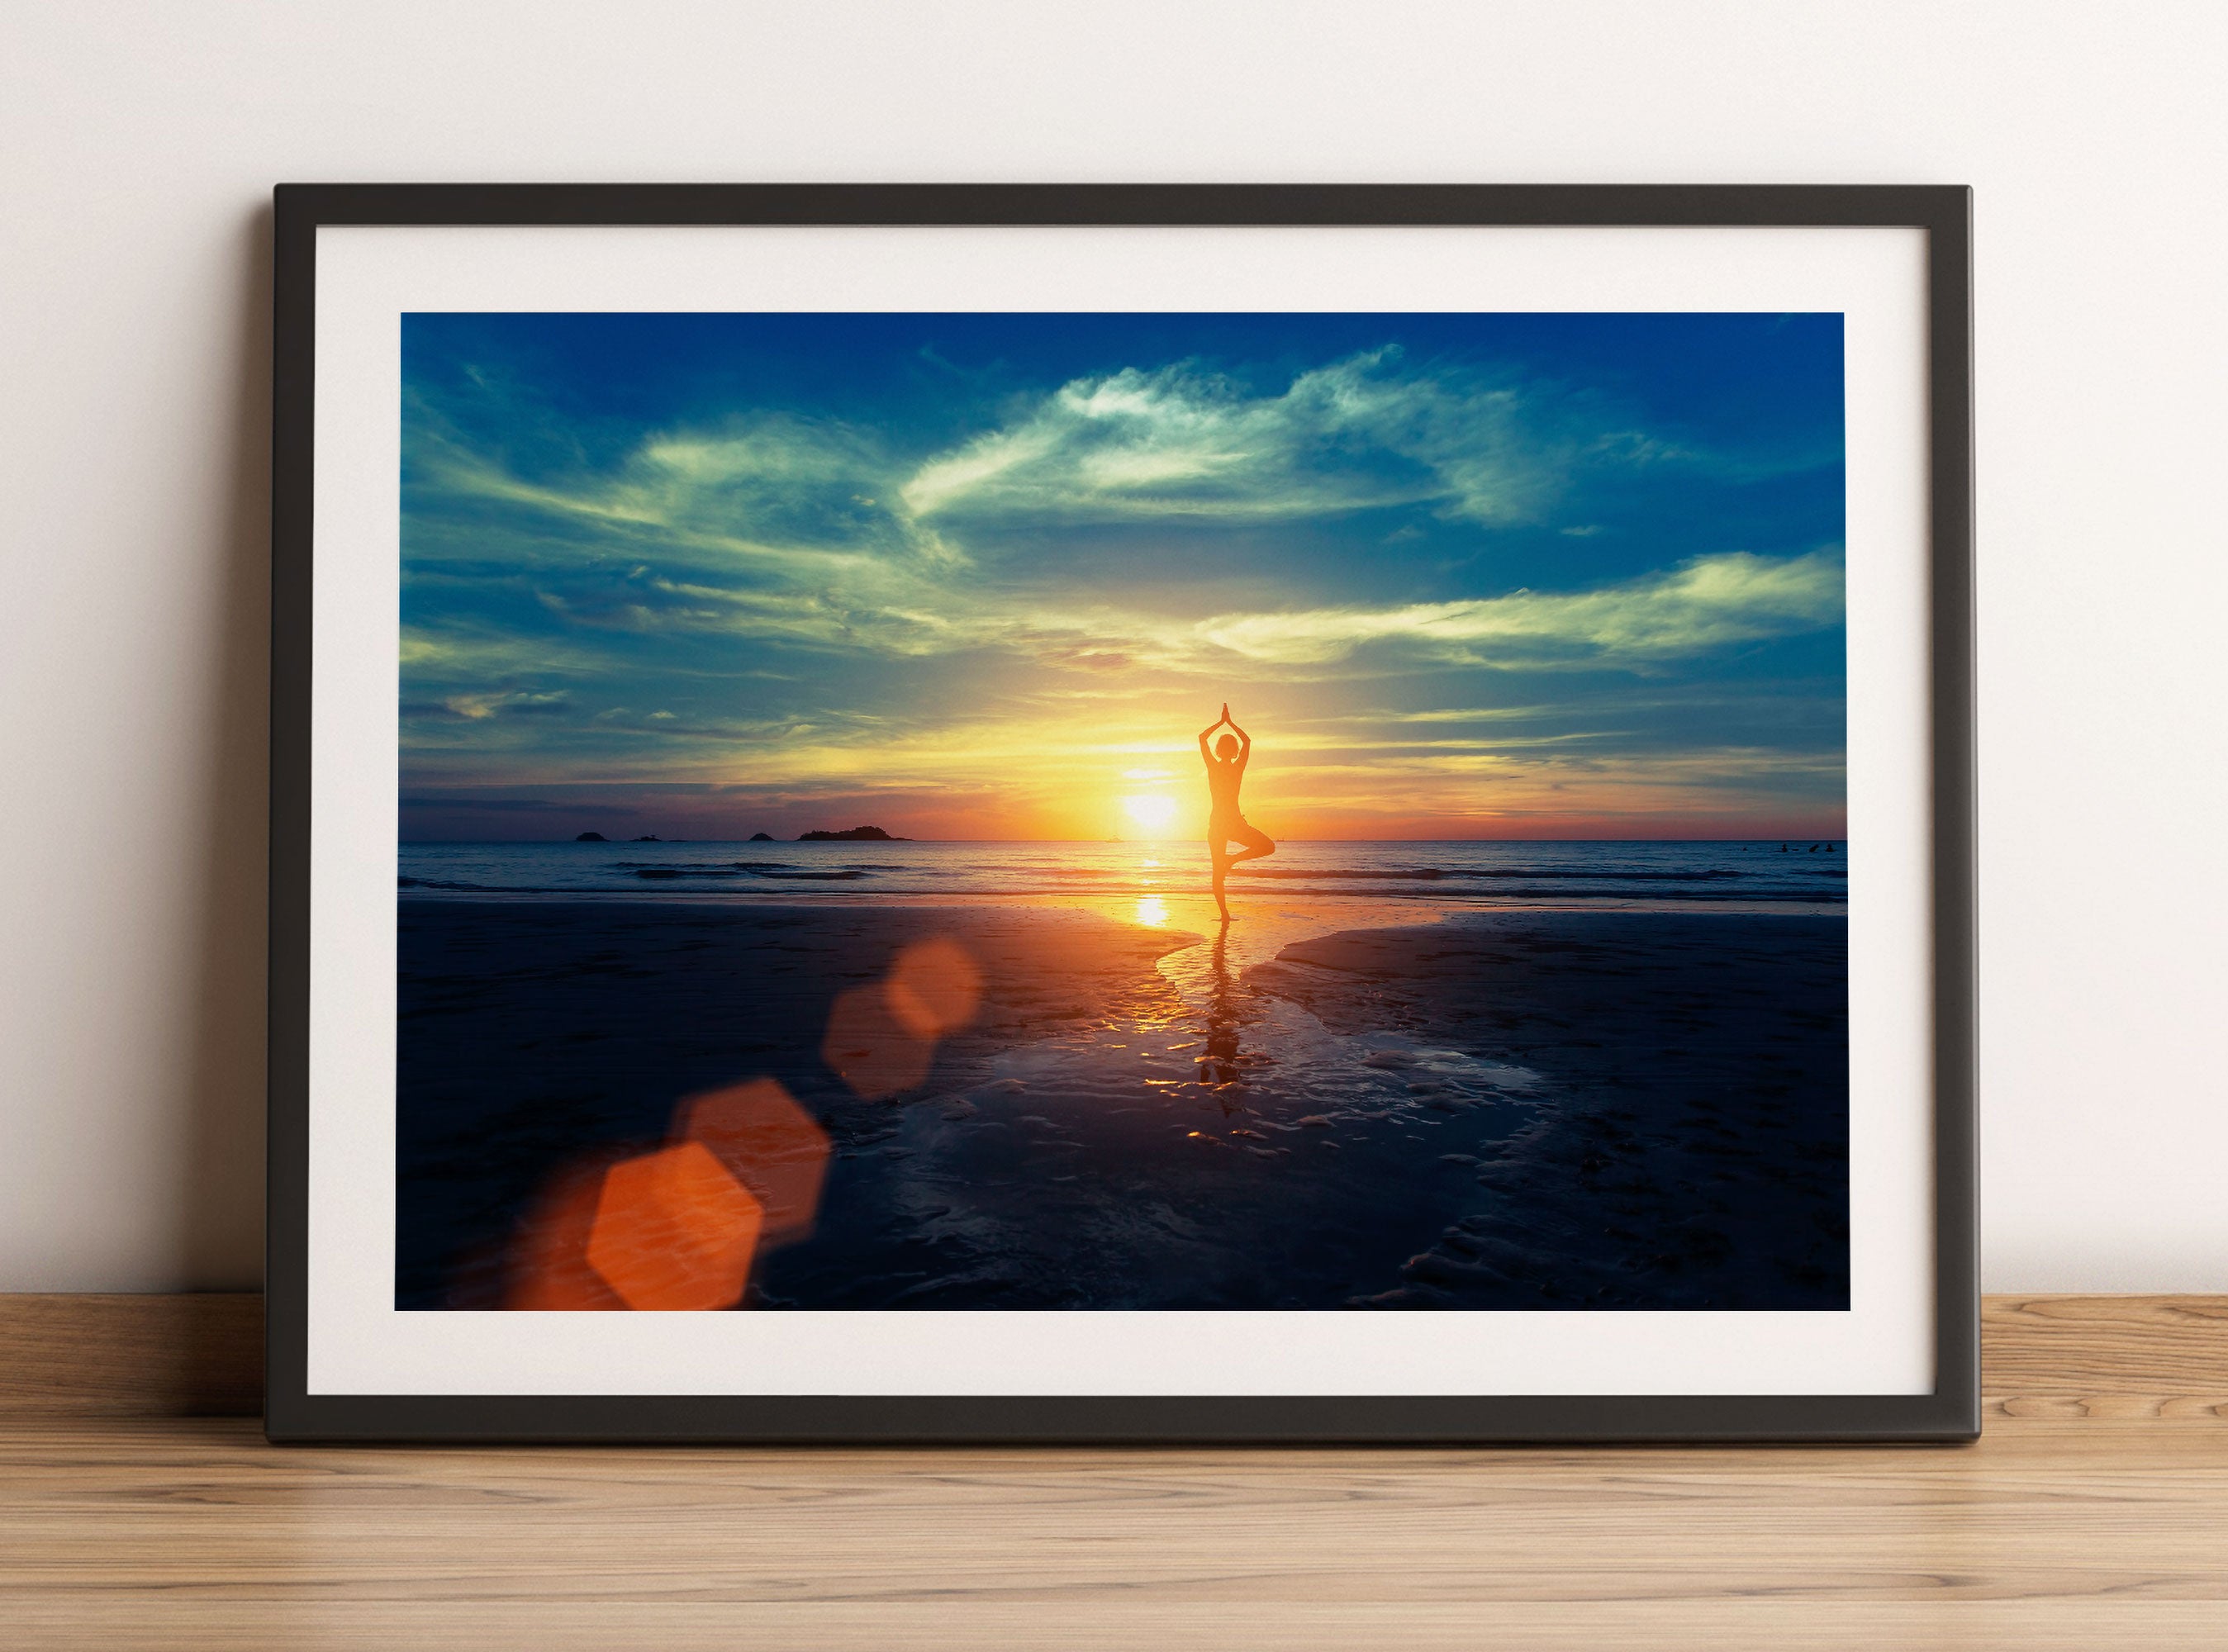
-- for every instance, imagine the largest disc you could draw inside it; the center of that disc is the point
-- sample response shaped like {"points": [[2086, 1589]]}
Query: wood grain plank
{"points": [[2090, 1514], [2100, 1358], [191, 1532], [196, 1355], [1715, 1624], [2106, 1358]]}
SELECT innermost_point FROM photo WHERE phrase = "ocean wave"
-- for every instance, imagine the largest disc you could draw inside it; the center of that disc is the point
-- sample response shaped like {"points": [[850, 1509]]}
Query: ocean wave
{"points": [[1523, 874], [758, 870], [1431, 873], [792, 869], [1422, 874]]}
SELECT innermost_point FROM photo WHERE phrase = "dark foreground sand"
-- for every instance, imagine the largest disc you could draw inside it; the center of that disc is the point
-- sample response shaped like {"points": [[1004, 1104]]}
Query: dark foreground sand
{"points": [[1508, 1110], [531, 1032], [1695, 1152]]}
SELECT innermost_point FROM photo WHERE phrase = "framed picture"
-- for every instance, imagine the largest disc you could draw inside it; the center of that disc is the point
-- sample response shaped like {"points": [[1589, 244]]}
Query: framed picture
{"points": [[1147, 814]]}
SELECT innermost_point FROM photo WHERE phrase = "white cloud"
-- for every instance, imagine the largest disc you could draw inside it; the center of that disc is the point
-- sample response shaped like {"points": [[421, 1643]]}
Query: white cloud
{"points": [[800, 531], [774, 492], [1711, 602], [476, 707], [1176, 441]]}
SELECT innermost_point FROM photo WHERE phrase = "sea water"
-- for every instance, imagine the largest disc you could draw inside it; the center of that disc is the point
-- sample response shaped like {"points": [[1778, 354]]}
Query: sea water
{"points": [[1778, 873]]}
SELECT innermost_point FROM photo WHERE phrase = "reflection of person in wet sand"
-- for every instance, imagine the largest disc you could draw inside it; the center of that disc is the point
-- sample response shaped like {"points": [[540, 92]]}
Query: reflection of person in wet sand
{"points": [[1219, 1060], [1225, 770]]}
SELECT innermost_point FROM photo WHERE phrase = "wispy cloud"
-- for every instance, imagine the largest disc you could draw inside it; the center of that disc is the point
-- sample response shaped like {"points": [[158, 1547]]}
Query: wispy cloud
{"points": [[769, 491], [1708, 603], [475, 707], [1179, 441], [787, 529]]}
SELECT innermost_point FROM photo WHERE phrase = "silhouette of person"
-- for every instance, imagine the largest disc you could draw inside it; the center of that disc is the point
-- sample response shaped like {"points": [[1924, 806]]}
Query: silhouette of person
{"points": [[1226, 770]]}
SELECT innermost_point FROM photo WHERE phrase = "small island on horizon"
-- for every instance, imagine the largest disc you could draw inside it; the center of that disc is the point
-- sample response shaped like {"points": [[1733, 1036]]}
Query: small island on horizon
{"points": [[856, 835]]}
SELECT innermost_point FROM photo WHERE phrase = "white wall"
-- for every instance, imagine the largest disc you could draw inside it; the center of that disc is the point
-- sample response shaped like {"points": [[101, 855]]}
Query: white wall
{"points": [[137, 144]]}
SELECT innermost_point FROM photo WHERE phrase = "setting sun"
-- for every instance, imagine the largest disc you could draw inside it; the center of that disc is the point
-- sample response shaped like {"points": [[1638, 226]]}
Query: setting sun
{"points": [[1154, 813]]}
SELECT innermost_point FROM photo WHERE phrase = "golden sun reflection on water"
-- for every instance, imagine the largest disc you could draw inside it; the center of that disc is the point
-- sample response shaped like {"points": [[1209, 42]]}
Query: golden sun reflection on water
{"points": [[1152, 912]]}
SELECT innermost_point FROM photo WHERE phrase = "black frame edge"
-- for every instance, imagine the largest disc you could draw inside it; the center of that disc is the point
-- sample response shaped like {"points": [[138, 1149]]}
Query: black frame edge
{"points": [[287, 1039], [1124, 204], [1951, 1412], [1957, 893], [1115, 1421]]}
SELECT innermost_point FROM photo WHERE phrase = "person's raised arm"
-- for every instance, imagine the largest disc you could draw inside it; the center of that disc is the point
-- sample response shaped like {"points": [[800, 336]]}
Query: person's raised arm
{"points": [[1244, 740]]}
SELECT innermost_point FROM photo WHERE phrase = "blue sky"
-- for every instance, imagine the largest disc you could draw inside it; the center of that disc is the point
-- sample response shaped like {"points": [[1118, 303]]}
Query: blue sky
{"points": [[985, 576]]}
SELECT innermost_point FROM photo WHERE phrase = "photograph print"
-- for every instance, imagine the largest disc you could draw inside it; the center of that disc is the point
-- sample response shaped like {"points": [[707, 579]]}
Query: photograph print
{"points": [[1217, 812]]}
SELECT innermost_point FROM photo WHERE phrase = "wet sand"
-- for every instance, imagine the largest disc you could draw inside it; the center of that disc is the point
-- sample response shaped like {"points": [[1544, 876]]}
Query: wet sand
{"points": [[1694, 1151], [531, 1032], [1504, 1109]]}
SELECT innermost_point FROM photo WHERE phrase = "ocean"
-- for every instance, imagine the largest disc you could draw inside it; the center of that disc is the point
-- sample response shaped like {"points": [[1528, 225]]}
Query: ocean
{"points": [[1805, 874]]}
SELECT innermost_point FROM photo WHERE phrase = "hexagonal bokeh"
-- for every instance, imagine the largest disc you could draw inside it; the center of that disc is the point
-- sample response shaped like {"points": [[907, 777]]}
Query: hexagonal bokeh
{"points": [[675, 1231], [768, 1143], [881, 1038], [869, 1048], [547, 1269], [934, 987]]}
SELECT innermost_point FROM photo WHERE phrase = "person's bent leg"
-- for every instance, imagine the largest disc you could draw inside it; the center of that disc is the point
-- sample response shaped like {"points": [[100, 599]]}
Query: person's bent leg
{"points": [[1256, 842]]}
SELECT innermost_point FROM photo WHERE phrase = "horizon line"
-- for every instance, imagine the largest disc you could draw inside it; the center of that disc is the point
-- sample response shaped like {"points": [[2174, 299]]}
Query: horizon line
{"points": [[1144, 843]]}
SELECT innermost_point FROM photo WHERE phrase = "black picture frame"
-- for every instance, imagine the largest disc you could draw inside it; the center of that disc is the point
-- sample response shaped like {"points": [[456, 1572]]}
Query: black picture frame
{"points": [[1950, 1412]]}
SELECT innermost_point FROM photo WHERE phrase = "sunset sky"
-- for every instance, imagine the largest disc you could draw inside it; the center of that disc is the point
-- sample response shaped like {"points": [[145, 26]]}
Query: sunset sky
{"points": [[987, 576]]}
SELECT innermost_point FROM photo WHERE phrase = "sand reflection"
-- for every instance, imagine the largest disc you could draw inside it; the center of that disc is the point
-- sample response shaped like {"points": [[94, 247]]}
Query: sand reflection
{"points": [[1218, 1066]]}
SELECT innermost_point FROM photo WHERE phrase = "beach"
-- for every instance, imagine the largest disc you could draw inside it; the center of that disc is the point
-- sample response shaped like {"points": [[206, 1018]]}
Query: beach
{"points": [[1696, 1151], [813, 772], [1334, 1104]]}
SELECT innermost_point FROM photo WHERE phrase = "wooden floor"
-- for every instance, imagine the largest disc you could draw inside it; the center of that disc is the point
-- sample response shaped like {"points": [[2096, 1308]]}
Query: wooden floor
{"points": [[2094, 1514]]}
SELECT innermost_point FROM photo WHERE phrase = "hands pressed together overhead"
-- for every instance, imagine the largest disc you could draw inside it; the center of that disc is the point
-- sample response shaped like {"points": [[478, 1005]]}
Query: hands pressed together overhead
{"points": [[1218, 722]]}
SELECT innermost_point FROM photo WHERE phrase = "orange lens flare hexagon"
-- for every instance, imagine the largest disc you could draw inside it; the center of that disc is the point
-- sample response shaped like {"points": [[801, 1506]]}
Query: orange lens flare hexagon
{"points": [[674, 1230], [881, 1038], [869, 1048], [934, 989], [769, 1144], [548, 1269], [679, 1228]]}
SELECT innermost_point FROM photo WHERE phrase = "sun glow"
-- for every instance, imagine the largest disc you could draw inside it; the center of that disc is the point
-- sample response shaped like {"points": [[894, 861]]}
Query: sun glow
{"points": [[1152, 912], [1150, 810]]}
